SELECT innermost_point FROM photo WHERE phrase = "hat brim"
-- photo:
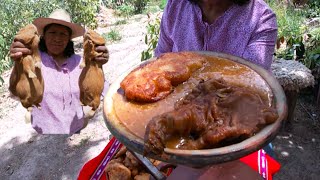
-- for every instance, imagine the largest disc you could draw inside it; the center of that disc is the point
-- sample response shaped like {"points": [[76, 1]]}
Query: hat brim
{"points": [[40, 23]]}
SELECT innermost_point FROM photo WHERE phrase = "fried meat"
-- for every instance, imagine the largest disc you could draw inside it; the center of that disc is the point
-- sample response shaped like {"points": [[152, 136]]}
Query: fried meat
{"points": [[155, 80], [213, 115]]}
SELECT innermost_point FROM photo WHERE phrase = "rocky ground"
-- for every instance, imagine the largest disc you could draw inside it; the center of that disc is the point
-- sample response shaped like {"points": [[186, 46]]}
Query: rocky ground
{"points": [[27, 155], [297, 145]]}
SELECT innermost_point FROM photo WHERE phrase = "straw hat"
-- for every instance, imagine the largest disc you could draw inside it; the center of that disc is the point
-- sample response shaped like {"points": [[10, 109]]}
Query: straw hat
{"points": [[62, 17]]}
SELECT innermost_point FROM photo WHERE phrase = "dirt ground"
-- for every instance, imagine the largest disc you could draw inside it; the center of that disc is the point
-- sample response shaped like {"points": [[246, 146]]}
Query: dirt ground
{"points": [[297, 145], [27, 155]]}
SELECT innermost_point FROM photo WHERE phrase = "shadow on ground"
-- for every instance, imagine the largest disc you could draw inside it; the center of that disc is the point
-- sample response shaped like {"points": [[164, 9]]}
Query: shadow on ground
{"points": [[297, 146], [48, 156]]}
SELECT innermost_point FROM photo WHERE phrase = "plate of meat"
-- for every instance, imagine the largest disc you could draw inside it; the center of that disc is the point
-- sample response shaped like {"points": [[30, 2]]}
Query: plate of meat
{"points": [[195, 108]]}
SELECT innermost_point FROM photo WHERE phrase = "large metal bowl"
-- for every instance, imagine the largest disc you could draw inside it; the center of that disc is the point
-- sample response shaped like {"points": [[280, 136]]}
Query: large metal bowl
{"points": [[200, 158]]}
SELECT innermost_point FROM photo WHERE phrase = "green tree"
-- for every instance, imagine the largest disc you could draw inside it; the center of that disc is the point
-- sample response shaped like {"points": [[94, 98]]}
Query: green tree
{"points": [[151, 38], [84, 12]]}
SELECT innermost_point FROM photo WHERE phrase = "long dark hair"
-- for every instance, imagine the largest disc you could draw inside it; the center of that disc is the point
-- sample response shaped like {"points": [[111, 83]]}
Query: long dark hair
{"points": [[238, 2], [68, 51]]}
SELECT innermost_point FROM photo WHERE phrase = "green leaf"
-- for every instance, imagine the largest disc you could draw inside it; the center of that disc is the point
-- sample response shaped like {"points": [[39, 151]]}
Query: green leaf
{"points": [[1, 80], [146, 39], [154, 44]]}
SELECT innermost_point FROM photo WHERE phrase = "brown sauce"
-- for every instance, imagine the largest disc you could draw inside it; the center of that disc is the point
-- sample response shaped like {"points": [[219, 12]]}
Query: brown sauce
{"points": [[136, 116]]}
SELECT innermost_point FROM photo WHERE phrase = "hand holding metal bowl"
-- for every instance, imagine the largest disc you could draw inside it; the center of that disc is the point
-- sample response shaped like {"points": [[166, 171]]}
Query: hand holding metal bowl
{"points": [[127, 119]]}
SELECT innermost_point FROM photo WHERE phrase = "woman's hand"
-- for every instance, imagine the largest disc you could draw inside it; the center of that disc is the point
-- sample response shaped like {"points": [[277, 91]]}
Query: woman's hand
{"points": [[104, 57], [18, 49]]}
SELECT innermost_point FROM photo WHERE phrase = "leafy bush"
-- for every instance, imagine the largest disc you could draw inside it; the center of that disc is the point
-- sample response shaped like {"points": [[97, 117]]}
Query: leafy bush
{"points": [[127, 7], [151, 38], [139, 5], [125, 10], [154, 6], [312, 59], [150, 8], [291, 29], [313, 9], [301, 41], [112, 36], [163, 4], [83, 11], [314, 38], [289, 20], [113, 3]]}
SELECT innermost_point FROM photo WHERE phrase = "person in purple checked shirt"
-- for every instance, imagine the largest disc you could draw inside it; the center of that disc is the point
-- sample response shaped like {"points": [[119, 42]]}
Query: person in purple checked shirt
{"points": [[243, 28]]}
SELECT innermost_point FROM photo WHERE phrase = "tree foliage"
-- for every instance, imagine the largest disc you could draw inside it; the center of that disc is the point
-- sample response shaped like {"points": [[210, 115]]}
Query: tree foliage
{"points": [[83, 11], [300, 39], [151, 38], [135, 6]]}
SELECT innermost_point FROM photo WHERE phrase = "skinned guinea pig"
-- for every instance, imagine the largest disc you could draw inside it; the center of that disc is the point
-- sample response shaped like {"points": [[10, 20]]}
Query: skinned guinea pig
{"points": [[26, 81], [91, 80]]}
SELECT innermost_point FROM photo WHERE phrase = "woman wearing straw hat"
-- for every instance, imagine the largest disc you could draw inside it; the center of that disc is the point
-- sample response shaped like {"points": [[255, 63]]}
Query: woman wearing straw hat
{"points": [[61, 112]]}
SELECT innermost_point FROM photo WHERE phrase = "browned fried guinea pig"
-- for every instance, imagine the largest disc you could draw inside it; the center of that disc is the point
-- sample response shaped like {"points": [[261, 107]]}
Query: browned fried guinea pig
{"points": [[91, 80], [26, 81], [155, 81]]}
